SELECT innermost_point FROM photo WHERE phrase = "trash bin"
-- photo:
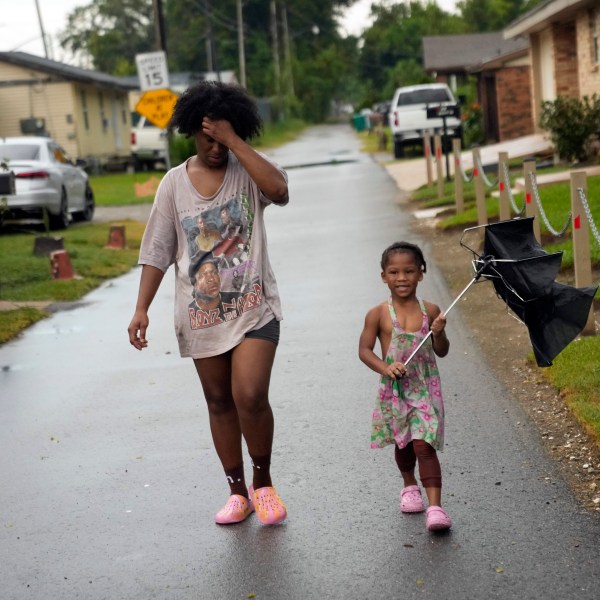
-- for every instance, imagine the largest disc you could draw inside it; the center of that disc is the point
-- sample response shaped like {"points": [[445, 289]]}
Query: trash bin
{"points": [[360, 122]]}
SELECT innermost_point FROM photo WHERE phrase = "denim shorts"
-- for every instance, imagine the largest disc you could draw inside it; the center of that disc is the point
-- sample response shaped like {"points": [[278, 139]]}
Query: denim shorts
{"points": [[269, 332]]}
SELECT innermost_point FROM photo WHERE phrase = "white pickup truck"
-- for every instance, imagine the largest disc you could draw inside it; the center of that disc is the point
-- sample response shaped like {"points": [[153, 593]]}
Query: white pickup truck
{"points": [[408, 117], [148, 144]]}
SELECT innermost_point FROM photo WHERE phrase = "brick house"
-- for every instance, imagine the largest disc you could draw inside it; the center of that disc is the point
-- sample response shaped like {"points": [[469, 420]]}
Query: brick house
{"points": [[564, 48], [503, 77], [504, 91], [85, 111]]}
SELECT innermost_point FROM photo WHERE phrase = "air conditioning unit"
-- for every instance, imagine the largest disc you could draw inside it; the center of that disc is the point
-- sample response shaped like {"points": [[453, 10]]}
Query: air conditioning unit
{"points": [[33, 126]]}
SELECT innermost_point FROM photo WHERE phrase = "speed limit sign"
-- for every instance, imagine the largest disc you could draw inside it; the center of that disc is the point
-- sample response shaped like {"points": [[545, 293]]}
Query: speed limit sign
{"points": [[152, 70]]}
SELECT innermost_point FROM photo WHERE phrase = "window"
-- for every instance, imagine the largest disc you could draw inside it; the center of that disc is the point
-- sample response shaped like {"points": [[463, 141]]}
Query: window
{"points": [[430, 96]]}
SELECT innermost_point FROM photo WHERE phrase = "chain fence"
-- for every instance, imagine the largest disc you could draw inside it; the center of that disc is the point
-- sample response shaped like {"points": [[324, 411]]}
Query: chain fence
{"points": [[554, 232], [487, 182], [465, 177], [588, 214], [518, 211]]}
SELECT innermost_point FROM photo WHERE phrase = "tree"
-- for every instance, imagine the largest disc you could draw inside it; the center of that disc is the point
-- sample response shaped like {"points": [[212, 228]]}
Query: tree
{"points": [[392, 52], [492, 15], [111, 32]]}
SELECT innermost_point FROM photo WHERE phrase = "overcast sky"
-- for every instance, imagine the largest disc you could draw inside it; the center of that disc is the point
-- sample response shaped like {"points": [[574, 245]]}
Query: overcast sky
{"points": [[20, 26]]}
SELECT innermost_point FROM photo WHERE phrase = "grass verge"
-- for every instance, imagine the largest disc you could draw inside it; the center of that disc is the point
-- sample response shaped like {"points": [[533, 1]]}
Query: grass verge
{"points": [[25, 277]]}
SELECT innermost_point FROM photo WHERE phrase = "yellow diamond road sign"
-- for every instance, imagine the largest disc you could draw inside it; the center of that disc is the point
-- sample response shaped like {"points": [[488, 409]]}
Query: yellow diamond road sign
{"points": [[157, 106]]}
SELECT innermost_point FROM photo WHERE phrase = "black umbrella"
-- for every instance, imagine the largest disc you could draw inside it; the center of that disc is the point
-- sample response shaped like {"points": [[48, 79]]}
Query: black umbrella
{"points": [[523, 275]]}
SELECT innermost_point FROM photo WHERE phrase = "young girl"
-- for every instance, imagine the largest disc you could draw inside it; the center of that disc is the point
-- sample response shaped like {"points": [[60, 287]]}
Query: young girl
{"points": [[409, 411]]}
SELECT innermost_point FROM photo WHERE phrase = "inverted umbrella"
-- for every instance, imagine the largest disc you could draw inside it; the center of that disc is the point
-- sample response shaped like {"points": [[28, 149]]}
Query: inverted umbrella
{"points": [[523, 275]]}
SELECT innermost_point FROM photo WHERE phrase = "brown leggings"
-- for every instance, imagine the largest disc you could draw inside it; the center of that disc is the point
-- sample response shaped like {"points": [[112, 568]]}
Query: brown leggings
{"points": [[430, 471]]}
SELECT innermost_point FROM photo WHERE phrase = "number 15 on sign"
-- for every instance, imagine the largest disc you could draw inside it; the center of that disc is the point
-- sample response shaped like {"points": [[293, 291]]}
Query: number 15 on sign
{"points": [[152, 70]]}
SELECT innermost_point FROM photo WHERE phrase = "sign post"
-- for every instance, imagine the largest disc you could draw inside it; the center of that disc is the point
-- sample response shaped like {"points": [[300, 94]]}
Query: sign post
{"points": [[443, 112], [157, 101], [152, 70]]}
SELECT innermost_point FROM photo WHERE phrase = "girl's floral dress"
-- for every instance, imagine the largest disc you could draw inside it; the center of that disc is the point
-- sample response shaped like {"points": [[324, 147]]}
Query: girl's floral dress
{"points": [[411, 407]]}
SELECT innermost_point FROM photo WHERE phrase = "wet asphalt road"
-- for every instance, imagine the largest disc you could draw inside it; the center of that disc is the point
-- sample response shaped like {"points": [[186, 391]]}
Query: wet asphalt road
{"points": [[109, 482]]}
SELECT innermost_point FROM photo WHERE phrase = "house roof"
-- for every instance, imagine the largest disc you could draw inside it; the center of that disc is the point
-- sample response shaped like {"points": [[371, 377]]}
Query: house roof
{"points": [[455, 53], [62, 71], [540, 16]]}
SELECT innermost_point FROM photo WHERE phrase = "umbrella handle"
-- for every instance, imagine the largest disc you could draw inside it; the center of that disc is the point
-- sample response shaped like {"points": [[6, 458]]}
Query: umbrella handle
{"points": [[486, 261]]}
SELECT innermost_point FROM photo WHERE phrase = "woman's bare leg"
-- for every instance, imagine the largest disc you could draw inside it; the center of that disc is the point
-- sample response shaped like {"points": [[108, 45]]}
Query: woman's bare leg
{"points": [[215, 377], [251, 365]]}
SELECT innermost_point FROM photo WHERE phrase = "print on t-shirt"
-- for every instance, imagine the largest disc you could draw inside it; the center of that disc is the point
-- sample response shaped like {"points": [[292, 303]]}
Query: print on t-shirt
{"points": [[225, 281]]}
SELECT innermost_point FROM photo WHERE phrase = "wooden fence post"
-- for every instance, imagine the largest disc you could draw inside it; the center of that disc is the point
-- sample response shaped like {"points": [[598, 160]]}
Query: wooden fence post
{"points": [[437, 143], [459, 195], [582, 263], [482, 218], [531, 209], [427, 152], [504, 187]]}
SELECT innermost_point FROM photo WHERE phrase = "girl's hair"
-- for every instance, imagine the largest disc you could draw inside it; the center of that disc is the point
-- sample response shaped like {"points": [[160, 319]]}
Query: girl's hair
{"points": [[216, 100], [406, 247]]}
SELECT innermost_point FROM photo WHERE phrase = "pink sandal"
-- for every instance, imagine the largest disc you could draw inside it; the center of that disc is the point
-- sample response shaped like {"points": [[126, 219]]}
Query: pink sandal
{"points": [[270, 510], [236, 509], [411, 500], [437, 519]]}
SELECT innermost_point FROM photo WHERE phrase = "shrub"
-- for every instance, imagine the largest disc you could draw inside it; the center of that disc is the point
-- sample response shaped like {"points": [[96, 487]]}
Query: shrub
{"points": [[574, 125], [472, 119]]}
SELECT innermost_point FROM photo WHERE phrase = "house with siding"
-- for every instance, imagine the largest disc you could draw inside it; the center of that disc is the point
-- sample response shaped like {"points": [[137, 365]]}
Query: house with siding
{"points": [[85, 111], [502, 71], [564, 49]]}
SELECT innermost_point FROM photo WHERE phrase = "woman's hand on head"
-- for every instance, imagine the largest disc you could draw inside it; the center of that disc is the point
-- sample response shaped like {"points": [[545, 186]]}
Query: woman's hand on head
{"points": [[219, 130]]}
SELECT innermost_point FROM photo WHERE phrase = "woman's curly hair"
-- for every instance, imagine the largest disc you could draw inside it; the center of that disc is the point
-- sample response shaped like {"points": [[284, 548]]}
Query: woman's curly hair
{"points": [[216, 100]]}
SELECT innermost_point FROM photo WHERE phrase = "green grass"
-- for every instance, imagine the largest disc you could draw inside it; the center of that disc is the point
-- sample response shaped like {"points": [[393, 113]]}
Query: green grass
{"points": [[119, 189], [13, 322], [555, 199], [25, 277], [576, 373]]}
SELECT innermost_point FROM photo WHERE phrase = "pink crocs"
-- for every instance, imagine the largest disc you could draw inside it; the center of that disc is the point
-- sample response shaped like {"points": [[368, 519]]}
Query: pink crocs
{"points": [[236, 509], [270, 510], [411, 500], [437, 519]]}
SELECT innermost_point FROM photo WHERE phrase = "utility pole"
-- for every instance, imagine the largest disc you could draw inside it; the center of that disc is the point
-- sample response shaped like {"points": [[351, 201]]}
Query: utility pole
{"points": [[39, 14], [241, 53], [211, 53], [161, 44], [208, 16], [287, 52], [275, 42], [159, 26]]}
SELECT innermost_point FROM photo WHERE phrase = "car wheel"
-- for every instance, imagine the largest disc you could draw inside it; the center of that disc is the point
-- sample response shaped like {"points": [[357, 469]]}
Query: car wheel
{"points": [[61, 220], [87, 214]]}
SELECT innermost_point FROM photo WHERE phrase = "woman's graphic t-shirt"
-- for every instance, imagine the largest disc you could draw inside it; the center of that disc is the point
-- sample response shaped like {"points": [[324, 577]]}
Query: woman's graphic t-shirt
{"points": [[224, 284]]}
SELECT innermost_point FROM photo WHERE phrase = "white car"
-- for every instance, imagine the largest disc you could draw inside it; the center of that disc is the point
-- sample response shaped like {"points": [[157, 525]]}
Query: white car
{"points": [[45, 179]]}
